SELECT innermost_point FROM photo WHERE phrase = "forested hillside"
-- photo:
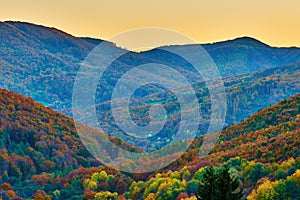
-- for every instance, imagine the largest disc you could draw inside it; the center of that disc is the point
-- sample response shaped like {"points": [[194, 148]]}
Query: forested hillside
{"points": [[35, 139], [42, 158]]}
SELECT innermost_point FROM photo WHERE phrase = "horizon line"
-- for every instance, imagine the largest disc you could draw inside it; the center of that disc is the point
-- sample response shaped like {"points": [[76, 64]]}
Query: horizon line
{"points": [[234, 38]]}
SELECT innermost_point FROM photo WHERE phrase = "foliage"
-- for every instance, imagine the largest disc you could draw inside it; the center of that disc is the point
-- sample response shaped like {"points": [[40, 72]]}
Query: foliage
{"points": [[219, 185], [288, 188], [44, 159]]}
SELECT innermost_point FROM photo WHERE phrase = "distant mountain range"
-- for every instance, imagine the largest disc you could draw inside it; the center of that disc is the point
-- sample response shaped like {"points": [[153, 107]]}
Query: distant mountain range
{"points": [[42, 63]]}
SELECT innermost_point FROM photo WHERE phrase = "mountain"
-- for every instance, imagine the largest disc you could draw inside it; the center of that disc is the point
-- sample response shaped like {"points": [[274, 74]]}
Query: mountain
{"points": [[261, 148], [35, 139], [41, 157], [240, 56], [270, 135], [42, 63], [245, 95]]}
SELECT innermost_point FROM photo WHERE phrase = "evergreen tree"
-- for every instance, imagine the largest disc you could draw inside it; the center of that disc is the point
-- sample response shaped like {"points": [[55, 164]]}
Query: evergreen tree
{"points": [[219, 185], [228, 187], [208, 185]]}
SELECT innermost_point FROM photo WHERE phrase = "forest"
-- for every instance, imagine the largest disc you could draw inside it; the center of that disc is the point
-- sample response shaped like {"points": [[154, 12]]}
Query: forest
{"points": [[42, 158]]}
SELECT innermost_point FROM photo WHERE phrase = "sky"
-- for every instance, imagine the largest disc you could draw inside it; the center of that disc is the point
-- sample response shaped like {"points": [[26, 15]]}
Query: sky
{"points": [[275, 22]]}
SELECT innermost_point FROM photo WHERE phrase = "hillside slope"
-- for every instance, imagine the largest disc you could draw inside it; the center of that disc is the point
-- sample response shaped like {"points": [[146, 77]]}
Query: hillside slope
{"points": [[270, 135], [39, 149], [35, 139]]}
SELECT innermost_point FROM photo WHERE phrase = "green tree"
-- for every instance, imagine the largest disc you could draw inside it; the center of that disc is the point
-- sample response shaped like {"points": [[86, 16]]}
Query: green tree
{"points": [[228, 188], [293, 189], [219, 185], [280, 174], [207, 187], [192, 186], [255, 171]]}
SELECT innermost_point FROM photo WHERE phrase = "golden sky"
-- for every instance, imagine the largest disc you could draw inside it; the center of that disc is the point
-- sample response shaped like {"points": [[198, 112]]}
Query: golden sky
{"points": [[276, 22]]}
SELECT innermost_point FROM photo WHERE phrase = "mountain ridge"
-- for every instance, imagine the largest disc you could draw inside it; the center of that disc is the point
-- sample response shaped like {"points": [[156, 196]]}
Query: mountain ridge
{"points": [[42, 63], [245, 39]]}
